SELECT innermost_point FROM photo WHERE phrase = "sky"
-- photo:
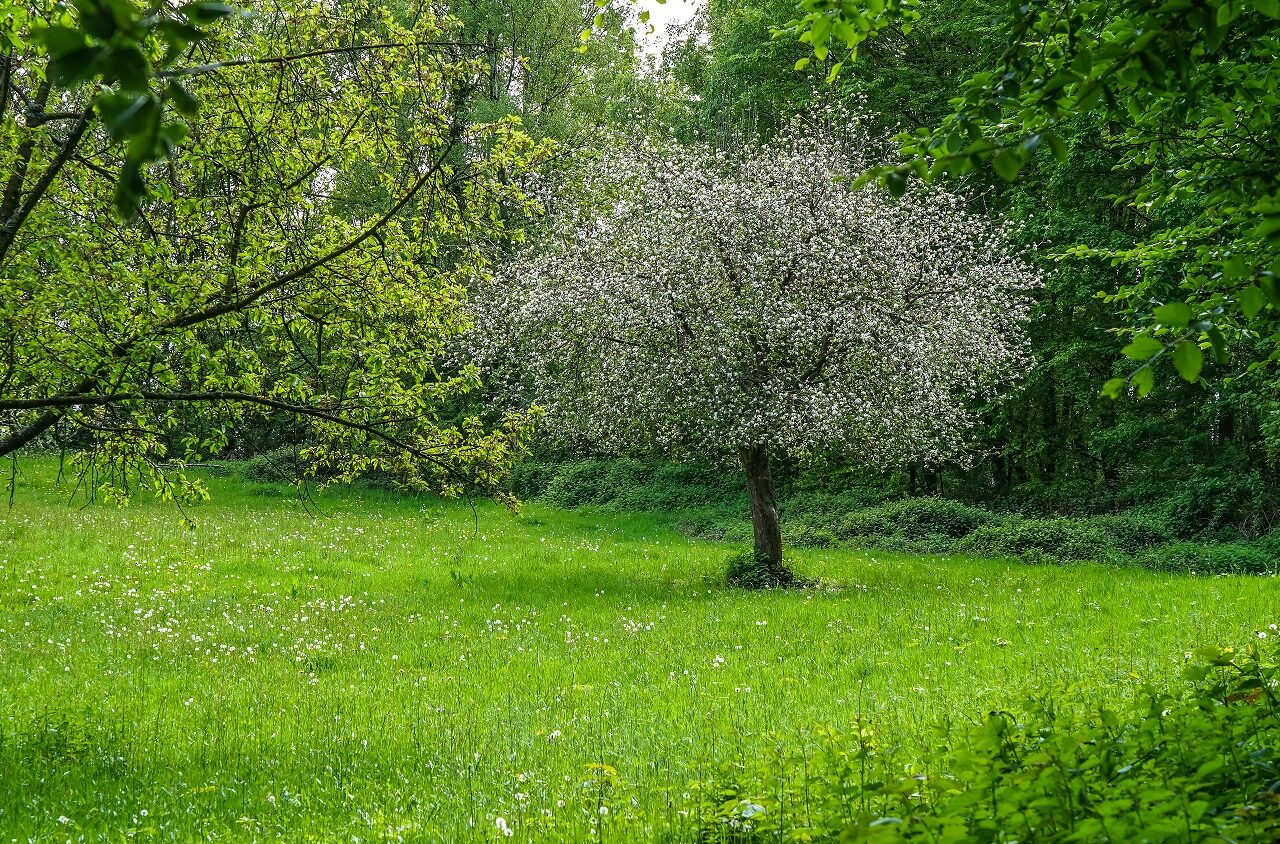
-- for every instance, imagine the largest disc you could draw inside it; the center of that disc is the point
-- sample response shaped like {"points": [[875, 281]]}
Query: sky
{"points": [[662, 14]]}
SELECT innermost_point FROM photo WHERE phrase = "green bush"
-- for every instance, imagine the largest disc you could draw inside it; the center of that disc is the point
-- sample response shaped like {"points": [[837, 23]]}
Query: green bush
{"points": [[1037, 540], [1217, 504], [806, 533], [745, 570], [916, 518], [580, 484], [1215, 558], [280, 465], [1197, 761], [1134, 531], [628, 484], [716, 526]]}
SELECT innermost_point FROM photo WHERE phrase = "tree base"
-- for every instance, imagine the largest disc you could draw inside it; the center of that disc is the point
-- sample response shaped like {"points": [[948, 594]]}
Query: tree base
{"points": [[746, 570]]}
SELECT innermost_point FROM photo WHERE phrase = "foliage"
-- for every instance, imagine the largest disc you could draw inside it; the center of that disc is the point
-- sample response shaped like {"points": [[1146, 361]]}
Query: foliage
{"points": [[627, 484], [1188, 762], [916, 518], [1135, 530], [538, 69], [303, 254], [1215, 503], [1059, 539], [278, 465], [746, 570], [131, 53], [1212, 558], [1185, 91], [543, 643], [800, 312]]}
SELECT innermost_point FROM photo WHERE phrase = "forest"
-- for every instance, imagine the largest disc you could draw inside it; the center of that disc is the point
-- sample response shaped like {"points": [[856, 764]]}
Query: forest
{"points": [[640, 420]]}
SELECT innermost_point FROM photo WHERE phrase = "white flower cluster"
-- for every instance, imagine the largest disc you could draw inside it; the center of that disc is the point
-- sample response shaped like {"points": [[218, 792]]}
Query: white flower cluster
{"points": [[697, 302]]}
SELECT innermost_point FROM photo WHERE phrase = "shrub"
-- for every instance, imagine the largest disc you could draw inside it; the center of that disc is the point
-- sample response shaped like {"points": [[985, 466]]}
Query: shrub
{"points": [[922, 517], [530, 478], [745, 570], [1134, 531], [1216, 558], [1037, 540], [280, 465], [871, 523], [916, 518], [579, 484], [1196, 761], [805, 533], [825, 508], [1213, 504], [627, 484]]}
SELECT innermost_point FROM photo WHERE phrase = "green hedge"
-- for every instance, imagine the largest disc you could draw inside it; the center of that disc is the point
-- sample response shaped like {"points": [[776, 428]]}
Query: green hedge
{"points": [[1220, 558], [1194, 761], [1039, 540], [914, 518], [710, 504]]}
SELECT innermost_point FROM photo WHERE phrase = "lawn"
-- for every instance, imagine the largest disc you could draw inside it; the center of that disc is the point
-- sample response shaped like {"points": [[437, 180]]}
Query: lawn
{"points": [[381, 667]]}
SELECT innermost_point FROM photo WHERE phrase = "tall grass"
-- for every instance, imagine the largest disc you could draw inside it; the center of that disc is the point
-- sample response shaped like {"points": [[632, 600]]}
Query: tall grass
{"points": [[401, 668]]}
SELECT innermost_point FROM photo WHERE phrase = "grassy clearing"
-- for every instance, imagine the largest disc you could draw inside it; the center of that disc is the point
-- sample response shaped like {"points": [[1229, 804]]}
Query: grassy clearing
{"points": [[389, 671]]}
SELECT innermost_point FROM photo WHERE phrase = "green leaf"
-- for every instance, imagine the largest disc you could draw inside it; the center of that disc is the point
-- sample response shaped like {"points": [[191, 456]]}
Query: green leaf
{"points": [[1143, 347], [127, 66], [896, 182], [75, 66], [206, 11], [1143, 380], [59, 40], [1174, 314], [1113, 388], [1271, 289], [123, 113], [95, 20], [802, 63], [1056, 145], [1270, 8], [1251, 301], [181, 99], [1188, 360], [1007, 163], [1219, 344]]}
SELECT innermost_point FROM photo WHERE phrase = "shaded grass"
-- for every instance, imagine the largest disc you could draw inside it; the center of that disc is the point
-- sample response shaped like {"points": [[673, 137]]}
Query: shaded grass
{"points": [[388, 671]]}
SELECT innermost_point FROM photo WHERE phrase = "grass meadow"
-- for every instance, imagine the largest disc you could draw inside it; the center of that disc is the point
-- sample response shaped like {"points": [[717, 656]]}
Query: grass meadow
{"points": [[402, 668]]}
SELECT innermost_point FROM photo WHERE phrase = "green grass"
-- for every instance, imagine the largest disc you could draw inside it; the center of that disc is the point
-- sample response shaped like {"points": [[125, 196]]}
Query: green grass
{"points": [[399, 669]]}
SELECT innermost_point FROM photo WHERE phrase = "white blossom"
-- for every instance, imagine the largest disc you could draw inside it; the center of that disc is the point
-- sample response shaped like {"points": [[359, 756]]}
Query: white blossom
{"points": [[699, 302]]}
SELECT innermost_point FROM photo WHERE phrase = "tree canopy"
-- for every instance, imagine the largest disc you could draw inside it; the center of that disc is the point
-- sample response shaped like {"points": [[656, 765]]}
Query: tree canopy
{"points": [[304, 251], [764, 307], [1186, 91]]}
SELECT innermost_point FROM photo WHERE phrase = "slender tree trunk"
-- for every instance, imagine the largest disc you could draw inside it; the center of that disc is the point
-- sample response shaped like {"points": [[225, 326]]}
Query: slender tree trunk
{"points": [[764, 514]]}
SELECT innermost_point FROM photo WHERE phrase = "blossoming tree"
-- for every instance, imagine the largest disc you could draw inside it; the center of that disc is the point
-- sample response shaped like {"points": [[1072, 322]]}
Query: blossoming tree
{"points": [[747, 305]]}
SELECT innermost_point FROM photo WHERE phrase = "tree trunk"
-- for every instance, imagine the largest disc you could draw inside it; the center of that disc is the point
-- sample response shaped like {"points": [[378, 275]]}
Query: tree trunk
{"points": [[764, 515]]}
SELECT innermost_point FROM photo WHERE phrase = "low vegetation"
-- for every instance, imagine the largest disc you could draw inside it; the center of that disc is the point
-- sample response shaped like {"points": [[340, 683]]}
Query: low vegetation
{"points": [[708, 504], [389, 667]]}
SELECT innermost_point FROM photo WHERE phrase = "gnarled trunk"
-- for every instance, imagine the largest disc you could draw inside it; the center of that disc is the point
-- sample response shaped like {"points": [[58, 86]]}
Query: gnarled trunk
{"points": [[764, 515]]}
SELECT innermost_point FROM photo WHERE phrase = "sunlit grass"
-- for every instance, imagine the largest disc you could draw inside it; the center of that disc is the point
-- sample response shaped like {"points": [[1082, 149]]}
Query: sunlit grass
{"points": [[403, 668]]}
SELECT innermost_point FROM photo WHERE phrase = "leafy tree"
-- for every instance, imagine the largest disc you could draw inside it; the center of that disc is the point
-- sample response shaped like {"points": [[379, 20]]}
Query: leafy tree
{"points": [[131, 51], [540, 70], [765, 308], [303, 251], [1187, 91]]}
